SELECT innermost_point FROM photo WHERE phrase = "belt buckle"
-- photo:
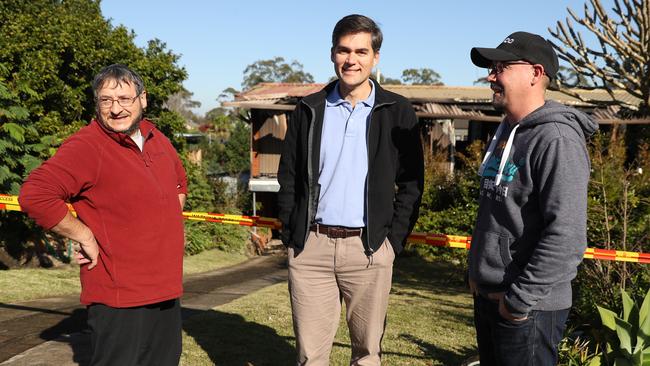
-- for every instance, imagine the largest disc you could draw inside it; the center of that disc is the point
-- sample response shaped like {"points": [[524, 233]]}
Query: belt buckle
{"points": [[336, 232]]}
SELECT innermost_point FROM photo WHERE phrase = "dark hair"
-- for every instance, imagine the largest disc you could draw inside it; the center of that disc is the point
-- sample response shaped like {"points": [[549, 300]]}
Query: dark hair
{"points": [[119, 73], [356, 23]]}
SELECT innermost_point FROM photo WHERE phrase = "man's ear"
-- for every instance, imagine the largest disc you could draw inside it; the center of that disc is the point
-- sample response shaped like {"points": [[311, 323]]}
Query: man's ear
{"points": [[538, 74], [143, 99]]}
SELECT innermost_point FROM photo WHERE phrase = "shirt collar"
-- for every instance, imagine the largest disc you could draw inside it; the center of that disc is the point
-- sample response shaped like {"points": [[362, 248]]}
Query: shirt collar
{"points": [[334, 98]]}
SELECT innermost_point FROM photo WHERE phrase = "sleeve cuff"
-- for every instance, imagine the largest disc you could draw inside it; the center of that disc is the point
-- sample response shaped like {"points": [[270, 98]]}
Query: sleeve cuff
{"points": [[517, 309]]}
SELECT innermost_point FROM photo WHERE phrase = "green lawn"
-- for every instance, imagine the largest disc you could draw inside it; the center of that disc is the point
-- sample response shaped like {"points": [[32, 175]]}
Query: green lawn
{"points": [[429, 323], [28, 284]]}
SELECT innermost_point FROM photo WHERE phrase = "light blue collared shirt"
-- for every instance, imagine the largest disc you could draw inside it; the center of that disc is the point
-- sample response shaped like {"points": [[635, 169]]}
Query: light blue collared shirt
{"points": [[344, 161]]}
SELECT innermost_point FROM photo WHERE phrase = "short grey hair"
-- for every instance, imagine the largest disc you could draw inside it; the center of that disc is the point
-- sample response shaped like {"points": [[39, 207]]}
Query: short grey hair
{"points": [[120, 74]]}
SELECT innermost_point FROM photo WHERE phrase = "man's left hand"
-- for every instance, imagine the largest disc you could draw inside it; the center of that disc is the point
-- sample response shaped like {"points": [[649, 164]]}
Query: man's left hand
{"points": [[503, 311]]}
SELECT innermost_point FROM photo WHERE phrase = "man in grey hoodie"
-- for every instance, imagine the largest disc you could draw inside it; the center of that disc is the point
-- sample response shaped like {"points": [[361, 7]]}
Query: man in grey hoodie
{"points": [[530, 232]]}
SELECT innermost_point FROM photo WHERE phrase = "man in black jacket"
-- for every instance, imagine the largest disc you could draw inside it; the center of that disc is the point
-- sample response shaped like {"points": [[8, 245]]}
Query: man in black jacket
{"points": [[351, 177]]}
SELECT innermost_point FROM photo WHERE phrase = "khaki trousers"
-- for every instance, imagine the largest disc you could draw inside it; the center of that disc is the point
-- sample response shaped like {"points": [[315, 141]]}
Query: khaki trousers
{"points": [[327, 271]]}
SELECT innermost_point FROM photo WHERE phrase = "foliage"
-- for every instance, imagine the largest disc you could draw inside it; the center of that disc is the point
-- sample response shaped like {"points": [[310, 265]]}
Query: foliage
{"points": [[214, 195], [200, 197], [56, 48], [201, 236], [449, 202], [172, 125], [181, 102], [275, 70], [621, 57], [572, 79], [236, 157], [576, 352], [423, 76], [50, 52], [481, 81], [21, 147], [227, 149], [385, 80], [618, 219], [628, 335]]}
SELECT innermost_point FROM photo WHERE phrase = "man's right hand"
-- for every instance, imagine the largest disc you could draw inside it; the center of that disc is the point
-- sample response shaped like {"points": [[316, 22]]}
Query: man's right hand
{"points": [[473, 288], [88, 252], [73, 228]]}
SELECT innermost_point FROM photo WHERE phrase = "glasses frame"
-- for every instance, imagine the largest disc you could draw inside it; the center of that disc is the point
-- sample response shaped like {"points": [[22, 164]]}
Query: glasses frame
{"points": [[500, 67], [129, 102]]}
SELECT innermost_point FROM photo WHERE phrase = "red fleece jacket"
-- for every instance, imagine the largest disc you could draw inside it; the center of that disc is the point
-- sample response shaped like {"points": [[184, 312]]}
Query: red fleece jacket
{"points": [[129, 199]]}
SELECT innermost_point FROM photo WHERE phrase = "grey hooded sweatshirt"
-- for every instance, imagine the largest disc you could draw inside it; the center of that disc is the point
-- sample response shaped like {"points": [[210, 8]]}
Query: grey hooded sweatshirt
{"points": [[531, 228]]}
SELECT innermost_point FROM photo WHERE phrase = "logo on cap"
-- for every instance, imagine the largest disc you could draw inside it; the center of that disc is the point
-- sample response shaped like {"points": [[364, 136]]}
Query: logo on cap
{"points": [[508, 40]]}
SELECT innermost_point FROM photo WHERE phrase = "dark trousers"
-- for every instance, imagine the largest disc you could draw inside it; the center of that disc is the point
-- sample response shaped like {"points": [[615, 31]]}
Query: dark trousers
{"points": [[142, 336], [532, 342]]}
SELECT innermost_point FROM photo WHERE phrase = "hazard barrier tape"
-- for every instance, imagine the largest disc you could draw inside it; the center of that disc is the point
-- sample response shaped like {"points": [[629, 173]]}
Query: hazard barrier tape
{"points": [[10, 203]]}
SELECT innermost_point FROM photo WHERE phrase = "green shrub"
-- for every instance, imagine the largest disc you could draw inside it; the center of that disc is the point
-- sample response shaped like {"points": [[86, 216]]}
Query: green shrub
{"points": [[449, 202], [628, 335], [618, 219], [202, 236], [577, 351]]}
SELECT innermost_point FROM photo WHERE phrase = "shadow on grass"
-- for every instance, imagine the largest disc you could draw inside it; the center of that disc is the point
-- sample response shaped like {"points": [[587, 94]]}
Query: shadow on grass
{"points": [[228, 339], [416, 273], [442, 283], [444, 356]]}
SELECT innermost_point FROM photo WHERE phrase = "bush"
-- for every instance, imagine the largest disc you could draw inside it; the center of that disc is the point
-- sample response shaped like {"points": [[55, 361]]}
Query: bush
{"points": [[618, 219], [627, 337], [449, 201], [202, 236]]}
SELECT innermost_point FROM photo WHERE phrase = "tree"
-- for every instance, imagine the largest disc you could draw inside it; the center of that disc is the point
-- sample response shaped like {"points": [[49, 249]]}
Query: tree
{"points": [[619, 60], [422, 76], [275, 70], [56, 47], [236, 157], [20, 145], [571, 78], [385, 80], [181, 102], [50, 51], [482, 81]]}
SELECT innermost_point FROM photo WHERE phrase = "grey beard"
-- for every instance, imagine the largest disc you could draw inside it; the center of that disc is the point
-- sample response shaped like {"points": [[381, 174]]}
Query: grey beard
{"points": [[129, 131], [135, 126]]}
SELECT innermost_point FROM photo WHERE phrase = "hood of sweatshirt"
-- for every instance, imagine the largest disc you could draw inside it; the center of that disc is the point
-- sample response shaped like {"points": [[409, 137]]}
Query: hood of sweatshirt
{"points": [[550, 112]]}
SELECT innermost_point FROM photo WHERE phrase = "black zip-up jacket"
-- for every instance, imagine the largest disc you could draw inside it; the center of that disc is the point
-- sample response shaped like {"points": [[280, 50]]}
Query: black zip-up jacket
{"points": [[395, 170]]}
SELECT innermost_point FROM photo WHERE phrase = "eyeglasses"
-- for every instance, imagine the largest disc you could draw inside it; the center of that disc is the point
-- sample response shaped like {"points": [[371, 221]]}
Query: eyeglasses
{"points": [[499, 67], [125, 102]]}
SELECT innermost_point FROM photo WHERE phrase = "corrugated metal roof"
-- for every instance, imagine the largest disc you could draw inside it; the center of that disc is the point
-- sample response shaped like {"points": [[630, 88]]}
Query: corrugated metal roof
{"points": [[265, 91], [464, 102], [435, 93]]}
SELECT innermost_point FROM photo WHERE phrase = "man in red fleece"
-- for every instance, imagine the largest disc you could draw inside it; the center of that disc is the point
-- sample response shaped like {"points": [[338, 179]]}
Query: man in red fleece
{"points": [[127, 185]]}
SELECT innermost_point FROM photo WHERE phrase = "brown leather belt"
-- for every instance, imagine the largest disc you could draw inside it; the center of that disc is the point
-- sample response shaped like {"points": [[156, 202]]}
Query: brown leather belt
{"points": [[336, 232]]}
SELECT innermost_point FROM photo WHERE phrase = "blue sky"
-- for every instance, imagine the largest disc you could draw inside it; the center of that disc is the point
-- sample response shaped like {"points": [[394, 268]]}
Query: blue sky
{"points": [[218, 39]]}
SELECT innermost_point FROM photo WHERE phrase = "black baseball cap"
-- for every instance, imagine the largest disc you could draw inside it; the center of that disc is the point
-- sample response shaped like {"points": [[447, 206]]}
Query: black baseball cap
{"points": [[519, 46]]}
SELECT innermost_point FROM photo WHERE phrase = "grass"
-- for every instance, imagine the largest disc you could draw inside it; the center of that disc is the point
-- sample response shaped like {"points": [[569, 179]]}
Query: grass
{"points": [[32, 283], [210, 260], [429, 323]]}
